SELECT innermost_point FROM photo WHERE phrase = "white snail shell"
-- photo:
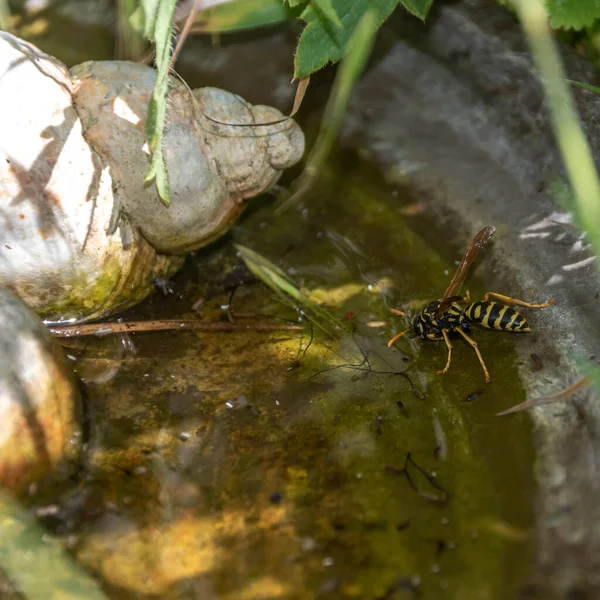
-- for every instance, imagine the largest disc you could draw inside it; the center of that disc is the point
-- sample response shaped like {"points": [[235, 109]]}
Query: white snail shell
{"points": [[72, 151]]}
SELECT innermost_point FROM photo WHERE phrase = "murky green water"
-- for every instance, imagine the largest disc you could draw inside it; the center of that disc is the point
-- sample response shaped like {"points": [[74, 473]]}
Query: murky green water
{"points": [[242, 466]]}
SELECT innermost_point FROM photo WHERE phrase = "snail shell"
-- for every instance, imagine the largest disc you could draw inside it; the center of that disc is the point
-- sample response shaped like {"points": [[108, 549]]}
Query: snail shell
{"points": [[212, 167], [39, 403], [73, 155]]}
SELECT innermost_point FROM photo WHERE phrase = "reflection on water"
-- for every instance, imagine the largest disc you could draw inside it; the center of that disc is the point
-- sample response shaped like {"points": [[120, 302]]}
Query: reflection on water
{"points": [[245, 466]]}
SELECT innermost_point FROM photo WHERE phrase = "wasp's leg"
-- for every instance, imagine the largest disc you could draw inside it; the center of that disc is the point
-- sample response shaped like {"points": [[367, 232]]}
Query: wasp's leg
{"points": [[395, 311], [449, 346], [475, 347], [508, 300], [398, 336]]}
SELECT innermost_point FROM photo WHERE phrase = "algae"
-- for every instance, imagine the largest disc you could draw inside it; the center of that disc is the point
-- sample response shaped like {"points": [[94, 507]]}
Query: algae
{"points": [[248, 465]]}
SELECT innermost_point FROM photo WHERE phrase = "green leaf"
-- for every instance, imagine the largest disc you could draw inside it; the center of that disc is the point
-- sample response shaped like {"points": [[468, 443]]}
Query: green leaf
{"points": [[157, 24], [243, 14], [350, 70], [573, 144], [325, 7], [320, 43], [293, 3], [419, 8], [35, 563], [573, 14]]}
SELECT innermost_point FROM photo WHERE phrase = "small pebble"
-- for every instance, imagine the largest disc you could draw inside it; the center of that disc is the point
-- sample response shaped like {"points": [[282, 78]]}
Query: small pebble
{"points": [[184, 436], [47, 511], [308, 544]]}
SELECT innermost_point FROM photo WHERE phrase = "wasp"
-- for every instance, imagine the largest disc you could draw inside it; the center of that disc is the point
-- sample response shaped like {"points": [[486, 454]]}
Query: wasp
{"points": [[454, 315]]}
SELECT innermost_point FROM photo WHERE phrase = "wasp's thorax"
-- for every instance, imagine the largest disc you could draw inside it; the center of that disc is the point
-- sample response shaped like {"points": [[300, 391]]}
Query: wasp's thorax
{"points": [[429, 326]]}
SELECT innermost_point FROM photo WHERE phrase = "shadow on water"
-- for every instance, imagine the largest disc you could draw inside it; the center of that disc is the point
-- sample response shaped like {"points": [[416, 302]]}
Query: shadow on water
{"points": [[229, 466]]}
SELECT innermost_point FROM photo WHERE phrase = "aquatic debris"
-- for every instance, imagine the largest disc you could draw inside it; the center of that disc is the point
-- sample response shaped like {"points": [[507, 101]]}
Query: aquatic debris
{"points": [[165, 285], [272, 276], [66, 331], [441, 450], [403, 410], [393, 470], [368, 369], [537, 363], [276, 498], [440, 545], [441, 498], [378, 422], [557, 397], [474, 395]]}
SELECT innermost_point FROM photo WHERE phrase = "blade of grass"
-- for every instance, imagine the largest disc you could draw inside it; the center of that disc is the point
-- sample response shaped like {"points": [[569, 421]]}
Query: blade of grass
{"points": [[5, 17], [572, 142], [585, 86], [573, 145], [350, 70], [36, 564], [272, 276]]}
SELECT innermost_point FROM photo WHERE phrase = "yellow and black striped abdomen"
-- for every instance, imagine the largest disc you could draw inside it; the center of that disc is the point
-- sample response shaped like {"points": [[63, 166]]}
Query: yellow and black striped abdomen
{"points": [[497, 316]]}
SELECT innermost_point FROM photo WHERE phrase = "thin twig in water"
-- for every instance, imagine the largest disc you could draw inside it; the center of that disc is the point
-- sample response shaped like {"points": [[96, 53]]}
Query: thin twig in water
{"points": [[100, 329], [439, 498], [562, 395], [312, 337], [230, 317]]}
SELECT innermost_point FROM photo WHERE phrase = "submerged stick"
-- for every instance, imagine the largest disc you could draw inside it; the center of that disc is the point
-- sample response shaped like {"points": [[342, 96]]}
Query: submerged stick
{"points": [[561, 395], [100, 329]]}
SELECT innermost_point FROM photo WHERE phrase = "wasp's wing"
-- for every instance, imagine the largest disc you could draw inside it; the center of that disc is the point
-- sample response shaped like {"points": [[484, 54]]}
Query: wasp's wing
{"points": [[471, 253]]}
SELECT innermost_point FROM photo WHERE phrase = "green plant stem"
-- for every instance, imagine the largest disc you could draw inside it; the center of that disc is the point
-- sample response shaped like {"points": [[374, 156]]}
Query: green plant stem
{"points": [[350, 70], [572, 142], [5, 22]]}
